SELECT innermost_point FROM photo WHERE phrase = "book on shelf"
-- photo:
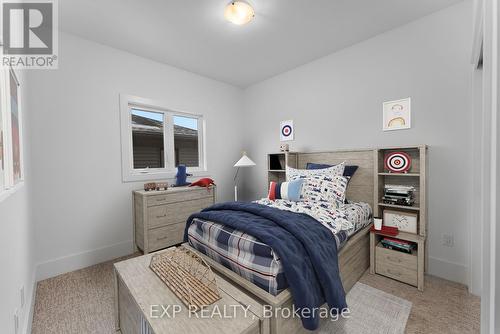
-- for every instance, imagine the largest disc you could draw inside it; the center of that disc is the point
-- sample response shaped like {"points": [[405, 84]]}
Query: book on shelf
{"points": [[406, 201], [400, 189], [398, 245], [398, 195]]}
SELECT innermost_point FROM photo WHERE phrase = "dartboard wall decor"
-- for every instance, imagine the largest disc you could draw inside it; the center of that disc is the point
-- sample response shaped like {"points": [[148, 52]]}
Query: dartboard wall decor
{"points": [[397, 162], [286, 130]]}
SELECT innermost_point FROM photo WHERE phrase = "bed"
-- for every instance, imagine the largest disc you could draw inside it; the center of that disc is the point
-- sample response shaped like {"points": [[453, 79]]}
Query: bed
{"points": [[254, 260], [253, 265]]}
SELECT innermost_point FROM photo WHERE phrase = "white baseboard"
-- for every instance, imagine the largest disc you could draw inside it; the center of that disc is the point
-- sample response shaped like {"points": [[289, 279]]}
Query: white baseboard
{"points": [[451, 271], [81, 260], [28, 322]]}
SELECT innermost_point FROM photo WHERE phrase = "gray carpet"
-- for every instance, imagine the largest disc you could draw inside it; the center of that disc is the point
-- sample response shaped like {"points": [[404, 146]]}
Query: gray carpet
{"points": [[82, 302], [371, 311]]}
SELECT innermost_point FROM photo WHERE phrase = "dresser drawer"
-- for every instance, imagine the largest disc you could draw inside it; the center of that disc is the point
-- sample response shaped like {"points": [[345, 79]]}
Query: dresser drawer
{"points": [[395, 258], [180, 196], [397, 265], [166, 209], [166, 236], [402, 274], [175, 212]]}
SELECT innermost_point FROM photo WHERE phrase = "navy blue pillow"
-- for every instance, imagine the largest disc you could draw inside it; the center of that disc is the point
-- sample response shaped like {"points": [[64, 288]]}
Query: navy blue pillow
{"points": [[348, 171]]}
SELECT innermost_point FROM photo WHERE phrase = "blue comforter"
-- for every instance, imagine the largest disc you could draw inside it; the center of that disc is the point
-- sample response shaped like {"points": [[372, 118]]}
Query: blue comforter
{"points": [[308, 250]]}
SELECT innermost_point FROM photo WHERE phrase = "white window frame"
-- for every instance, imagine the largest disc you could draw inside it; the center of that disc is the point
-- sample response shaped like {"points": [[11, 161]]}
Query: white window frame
{"points": [[10, 186], [129, 174]]}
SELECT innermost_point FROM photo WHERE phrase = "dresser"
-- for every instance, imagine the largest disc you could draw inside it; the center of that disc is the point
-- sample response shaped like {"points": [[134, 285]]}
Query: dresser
{"points": [[160, 216]]}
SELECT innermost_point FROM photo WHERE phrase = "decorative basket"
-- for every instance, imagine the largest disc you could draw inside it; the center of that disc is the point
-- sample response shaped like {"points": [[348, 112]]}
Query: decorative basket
{"points": [[188, 276]]}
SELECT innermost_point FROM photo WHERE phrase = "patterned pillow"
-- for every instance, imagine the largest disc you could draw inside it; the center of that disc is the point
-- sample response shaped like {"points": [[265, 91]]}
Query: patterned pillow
{"points": [[293, 173], [325, 189], [286, 190], [349, 170]]}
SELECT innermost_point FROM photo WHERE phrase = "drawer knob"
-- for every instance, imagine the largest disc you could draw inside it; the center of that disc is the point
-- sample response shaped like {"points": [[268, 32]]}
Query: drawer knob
{"points": [[394, 259], [160, 239], [161, 199], [393, 272], [162, 216]]}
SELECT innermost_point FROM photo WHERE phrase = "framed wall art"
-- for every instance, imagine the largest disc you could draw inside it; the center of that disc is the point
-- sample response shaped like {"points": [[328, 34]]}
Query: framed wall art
{"points": [[11, 145], [15, 124], [397, 115], [287, 130]]}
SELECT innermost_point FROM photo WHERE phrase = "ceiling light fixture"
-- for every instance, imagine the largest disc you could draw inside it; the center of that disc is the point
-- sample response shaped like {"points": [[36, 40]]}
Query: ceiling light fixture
{"points": [[239, 12]]}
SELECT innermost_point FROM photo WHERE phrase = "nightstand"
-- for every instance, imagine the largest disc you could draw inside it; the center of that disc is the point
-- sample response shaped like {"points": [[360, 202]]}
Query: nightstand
{"points": [[406, 268]]}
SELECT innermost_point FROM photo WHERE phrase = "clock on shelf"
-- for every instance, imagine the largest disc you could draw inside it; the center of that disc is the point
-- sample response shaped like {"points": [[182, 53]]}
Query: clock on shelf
{"points": [[404, 221]]}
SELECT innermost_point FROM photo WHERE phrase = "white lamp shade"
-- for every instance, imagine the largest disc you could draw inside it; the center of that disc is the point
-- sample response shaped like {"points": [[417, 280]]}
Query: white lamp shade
{"points": [[244, 162]]}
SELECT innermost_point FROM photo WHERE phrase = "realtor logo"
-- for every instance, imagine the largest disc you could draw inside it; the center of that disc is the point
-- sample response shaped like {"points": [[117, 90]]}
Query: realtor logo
{"points": [[29, 34]]}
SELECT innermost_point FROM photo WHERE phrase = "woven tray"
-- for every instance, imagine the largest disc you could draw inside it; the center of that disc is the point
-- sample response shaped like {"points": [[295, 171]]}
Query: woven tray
{"points": [[188, 276]]}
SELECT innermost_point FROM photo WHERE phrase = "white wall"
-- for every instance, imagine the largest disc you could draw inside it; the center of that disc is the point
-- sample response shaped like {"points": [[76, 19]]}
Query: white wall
{"points": [[336, 102], [17, 240], [82, 210]]}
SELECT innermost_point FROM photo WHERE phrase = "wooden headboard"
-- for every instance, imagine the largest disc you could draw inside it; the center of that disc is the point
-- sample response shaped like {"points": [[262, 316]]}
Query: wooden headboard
{"points": [[361, 185]]}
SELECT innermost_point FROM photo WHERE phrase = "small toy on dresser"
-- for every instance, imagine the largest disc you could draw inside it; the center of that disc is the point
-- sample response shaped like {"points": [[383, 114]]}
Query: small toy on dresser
{"points": [[181, 176], [204, 182], [161, 186], [150, 186]]}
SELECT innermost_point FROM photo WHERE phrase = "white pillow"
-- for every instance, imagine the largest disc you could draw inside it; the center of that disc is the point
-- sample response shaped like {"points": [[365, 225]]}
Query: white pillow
{"points": [[293, 173], [325, 189]]}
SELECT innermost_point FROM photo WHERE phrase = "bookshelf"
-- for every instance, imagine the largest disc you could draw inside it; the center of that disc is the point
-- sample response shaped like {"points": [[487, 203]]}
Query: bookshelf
{"points": [[276, 165], [391, 263]]}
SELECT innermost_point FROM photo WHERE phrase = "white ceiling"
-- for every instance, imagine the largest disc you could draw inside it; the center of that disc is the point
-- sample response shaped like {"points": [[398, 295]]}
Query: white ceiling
{"points": [[193, 35]]}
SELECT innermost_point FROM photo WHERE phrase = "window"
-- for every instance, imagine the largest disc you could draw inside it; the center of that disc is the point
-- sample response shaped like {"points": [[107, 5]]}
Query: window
{"points": [[155, 140], [11, 158], [147, 139], [186, 141]]}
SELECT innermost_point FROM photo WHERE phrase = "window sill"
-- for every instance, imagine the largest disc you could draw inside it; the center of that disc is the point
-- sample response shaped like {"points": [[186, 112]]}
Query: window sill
{"points": [[152, 176], [9, 192]]}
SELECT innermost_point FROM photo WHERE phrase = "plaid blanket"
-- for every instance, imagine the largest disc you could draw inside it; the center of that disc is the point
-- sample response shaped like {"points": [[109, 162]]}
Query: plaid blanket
{"points": [[254, 260], [311, 264], [240, 252]]}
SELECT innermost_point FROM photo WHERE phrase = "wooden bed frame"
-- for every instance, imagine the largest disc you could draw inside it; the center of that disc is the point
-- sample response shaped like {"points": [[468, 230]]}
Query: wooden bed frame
{"points": [[354, 257]]}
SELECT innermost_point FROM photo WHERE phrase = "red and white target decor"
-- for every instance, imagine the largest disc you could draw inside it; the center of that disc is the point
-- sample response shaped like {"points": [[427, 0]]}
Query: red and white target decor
{"points": [[397, 162], [286, 130]]}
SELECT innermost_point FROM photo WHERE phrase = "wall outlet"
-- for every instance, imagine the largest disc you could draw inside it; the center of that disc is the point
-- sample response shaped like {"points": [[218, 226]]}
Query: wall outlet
{"points": [[448, 240], [21, 296], [16, 321]]}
